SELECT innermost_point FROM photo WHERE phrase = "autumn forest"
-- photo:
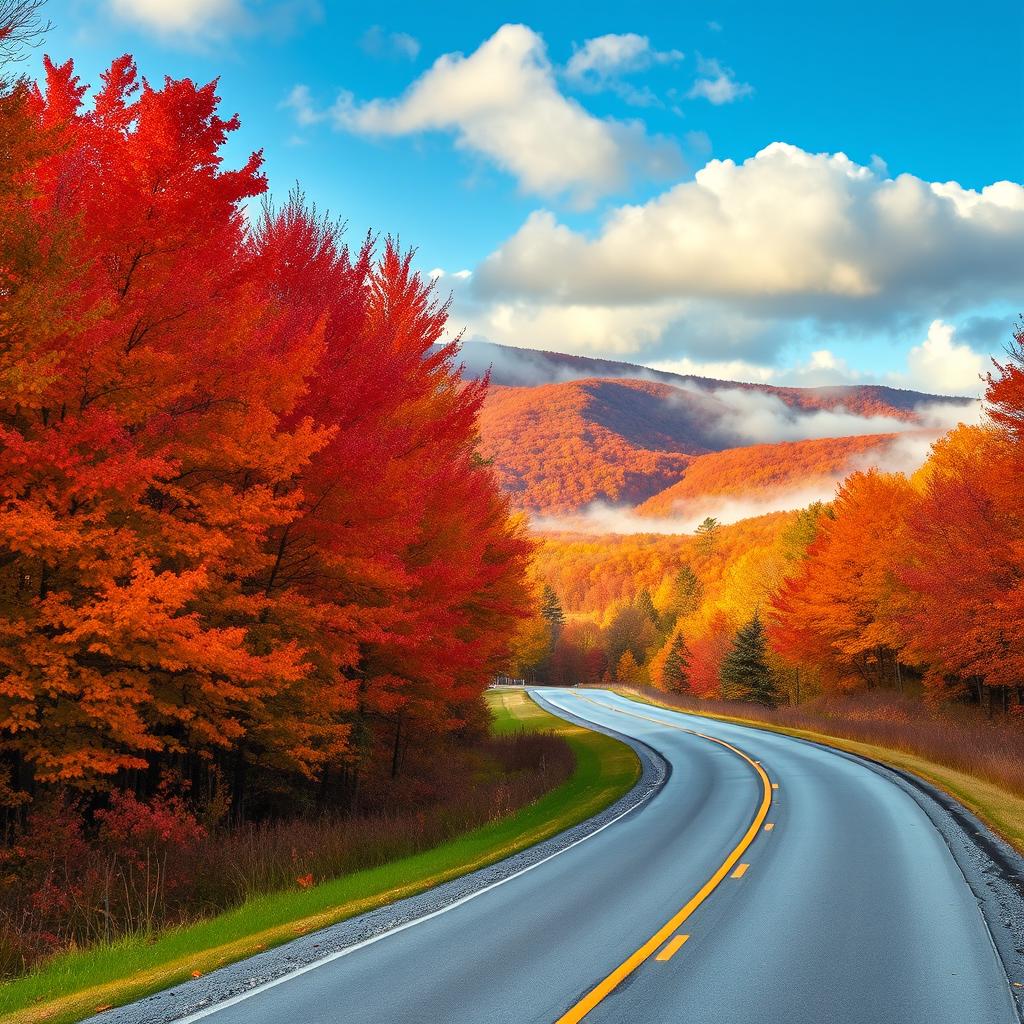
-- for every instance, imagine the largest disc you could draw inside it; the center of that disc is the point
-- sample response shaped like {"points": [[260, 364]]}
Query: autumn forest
{"points": [[252, 558], [265, 541]]}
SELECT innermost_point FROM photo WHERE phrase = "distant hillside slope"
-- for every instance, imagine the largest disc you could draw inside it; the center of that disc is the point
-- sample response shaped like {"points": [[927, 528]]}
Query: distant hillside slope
{"points": [[565, 431], [591, 572], [760, 470], [559, 447]]}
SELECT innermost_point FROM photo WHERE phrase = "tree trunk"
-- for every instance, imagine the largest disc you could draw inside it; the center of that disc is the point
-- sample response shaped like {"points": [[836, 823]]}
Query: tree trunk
{"points": [[238, 788], [397, 747]]}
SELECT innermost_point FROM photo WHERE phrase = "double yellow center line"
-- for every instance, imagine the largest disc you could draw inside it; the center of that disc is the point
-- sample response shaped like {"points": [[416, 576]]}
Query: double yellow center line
{"points": [[628, 966]]}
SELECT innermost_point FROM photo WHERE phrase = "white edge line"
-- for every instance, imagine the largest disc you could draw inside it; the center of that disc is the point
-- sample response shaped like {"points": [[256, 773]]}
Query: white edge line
{"points": [[256, 990]]}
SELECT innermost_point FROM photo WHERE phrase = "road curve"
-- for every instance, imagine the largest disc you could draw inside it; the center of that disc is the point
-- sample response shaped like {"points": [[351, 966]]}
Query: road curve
{"points": [[831, 898]]}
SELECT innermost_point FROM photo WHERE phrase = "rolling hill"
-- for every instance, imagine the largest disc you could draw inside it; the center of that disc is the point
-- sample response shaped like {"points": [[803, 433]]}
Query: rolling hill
{"points": [[764, 470], [560, 447], [565, 432]]}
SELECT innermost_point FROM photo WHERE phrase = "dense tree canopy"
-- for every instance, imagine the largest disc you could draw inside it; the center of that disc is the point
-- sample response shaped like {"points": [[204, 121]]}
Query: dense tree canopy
{"points": [[243, 521], [912, 584]]}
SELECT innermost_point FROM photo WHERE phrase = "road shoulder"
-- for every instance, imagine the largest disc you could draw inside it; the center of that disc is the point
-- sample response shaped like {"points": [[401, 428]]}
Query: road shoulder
{"points": [[991, 866], [306, 951]]}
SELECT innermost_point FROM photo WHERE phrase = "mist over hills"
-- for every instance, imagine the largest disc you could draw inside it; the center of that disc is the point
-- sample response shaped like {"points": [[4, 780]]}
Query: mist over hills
{"points": [[570, 435], [524, 367]]}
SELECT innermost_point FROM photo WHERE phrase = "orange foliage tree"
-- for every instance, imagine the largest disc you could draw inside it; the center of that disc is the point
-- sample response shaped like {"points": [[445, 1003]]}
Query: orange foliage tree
{"points": [[966, 550], [243, 520], [839, 611]]}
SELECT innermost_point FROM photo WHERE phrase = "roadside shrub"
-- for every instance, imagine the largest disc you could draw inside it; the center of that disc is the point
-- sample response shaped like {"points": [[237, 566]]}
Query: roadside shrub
{"points": [[147, 864], [961, 738]]}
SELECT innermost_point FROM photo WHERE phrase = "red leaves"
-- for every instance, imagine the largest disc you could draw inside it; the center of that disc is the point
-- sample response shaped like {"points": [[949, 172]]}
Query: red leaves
{"points": [[241, 515], [132, 830], [932, 576]]}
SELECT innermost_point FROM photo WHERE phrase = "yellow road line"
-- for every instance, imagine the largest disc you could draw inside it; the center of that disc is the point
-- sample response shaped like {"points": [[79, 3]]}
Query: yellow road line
{"points": [[630, 964], [740, 871], [775, 785], [769, 826], [672, 948]]}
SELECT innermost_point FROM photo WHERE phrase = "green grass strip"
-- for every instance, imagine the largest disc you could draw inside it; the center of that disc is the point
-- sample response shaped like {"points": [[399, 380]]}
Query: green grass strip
{"points": [[78, 984], [998, 808]]}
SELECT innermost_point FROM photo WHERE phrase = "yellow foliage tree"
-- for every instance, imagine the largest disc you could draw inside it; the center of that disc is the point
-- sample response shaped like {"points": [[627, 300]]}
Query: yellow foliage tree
{"points": [[627, 670]]}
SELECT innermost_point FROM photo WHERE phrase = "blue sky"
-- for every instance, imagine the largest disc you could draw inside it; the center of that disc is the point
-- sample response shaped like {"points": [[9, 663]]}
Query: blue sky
{"points": [[563, 161]]}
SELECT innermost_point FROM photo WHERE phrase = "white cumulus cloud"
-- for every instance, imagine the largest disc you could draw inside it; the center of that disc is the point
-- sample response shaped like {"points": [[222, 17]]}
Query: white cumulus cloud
{"points": [[717, 83], [941, 365], [205, 21], [586, 328], [784, 231], [606, 57], [503, 102], [723, 369], [184, 17]]}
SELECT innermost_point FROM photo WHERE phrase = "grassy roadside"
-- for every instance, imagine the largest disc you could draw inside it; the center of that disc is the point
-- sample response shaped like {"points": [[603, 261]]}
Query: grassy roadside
{"points": [[1001, 810], [79, 984]]}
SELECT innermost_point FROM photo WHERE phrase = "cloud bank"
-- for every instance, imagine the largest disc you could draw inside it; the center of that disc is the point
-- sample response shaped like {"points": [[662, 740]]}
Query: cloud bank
{"points": [[722, 274], [503, 102], [785, 230], [904, 454], [743, 416]]}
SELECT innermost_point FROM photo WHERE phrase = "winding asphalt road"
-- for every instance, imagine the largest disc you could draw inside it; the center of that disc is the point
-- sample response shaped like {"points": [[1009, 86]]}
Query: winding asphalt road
{"points": [[831, 899]]}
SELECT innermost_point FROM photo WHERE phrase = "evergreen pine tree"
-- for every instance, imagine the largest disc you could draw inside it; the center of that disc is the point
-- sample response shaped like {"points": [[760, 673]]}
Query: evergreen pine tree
{"points": [[677, 665], [745, 673], [687, 597], [644, 603], [551, 609], [707, 534]]}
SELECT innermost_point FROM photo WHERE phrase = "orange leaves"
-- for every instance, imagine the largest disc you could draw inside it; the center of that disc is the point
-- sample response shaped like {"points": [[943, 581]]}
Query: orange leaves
{"points": [[559, 447], [931, 574], [762, 470], [965, 560], [1004, 397], [241, 512], [840, 612]]}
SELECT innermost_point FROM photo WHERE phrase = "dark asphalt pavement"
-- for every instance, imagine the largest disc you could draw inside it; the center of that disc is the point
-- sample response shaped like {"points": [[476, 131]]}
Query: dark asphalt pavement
{"points": [[851, 910]]}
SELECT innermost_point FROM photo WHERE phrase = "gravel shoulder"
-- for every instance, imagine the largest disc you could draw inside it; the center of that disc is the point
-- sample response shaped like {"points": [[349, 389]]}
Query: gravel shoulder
{"points": [[182, 1001]]}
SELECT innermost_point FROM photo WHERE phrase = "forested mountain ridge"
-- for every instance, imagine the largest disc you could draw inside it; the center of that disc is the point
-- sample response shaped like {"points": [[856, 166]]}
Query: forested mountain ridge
{"points": [[509, 366], [767, 469], [565, 432], [559, 447]]}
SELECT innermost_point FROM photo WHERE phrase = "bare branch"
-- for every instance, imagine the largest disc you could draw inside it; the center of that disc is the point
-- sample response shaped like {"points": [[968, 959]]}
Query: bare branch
{"points": [[21, 26]]}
